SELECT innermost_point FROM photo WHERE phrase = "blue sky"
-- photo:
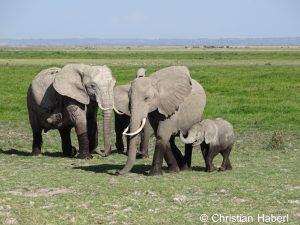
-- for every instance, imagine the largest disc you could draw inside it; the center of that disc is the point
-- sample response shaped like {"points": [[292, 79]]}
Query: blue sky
{"points": [[149, 19]]}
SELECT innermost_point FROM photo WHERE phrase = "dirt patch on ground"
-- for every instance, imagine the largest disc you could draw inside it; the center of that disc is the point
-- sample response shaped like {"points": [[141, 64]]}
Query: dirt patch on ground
{"points": [[43, 192]]}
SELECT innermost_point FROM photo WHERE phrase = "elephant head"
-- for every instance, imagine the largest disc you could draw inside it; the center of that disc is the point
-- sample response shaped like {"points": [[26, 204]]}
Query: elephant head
{"points": [[141, 73], [121, 99], [164, 91], [206, 131], [85, 83]]}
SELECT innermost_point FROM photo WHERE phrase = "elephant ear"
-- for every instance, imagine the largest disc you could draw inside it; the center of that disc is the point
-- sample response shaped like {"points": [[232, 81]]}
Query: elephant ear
{"points": [[121, 99], [68, 82], [210, 131], [173, 84]]}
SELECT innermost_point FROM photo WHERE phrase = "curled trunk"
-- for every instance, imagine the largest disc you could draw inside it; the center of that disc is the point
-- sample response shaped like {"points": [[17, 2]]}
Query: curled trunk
{"points": [[188, 140]]}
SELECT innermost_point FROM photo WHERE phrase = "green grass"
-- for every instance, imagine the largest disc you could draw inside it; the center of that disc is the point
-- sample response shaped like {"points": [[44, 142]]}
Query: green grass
{"points": [[201, 54], [258, 99]]}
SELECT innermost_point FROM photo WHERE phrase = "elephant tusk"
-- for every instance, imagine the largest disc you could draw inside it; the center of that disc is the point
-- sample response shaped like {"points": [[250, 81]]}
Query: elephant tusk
{"points": [[117, 111], [104, 109], [136, 132], [125, 131], [187, 140]]}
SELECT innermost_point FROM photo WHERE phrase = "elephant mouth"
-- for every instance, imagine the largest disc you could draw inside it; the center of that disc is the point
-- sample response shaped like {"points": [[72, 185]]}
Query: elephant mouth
{"points": [[195, 143]]}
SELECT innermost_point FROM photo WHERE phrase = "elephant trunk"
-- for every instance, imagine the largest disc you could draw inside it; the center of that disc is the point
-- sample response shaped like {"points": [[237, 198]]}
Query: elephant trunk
{"points": [[107, 127], [134, 125], [105, 100], [188, 140]]}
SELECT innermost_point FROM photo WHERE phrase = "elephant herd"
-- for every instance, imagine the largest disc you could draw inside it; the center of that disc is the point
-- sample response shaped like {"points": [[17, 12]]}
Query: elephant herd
{"points": [[169, 101]]}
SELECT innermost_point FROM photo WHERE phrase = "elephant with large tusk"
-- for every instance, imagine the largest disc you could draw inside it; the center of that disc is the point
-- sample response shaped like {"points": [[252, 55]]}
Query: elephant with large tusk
{"points": [[172, 101], [122, 119], [62, 98]]}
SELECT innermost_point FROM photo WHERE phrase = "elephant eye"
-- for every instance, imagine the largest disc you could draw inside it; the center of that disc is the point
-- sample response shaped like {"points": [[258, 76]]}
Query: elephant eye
{"points": [[147, 98]]}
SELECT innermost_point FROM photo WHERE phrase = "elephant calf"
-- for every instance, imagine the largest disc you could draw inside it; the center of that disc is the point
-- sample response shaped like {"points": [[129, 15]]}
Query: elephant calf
{"points": [[214, 136]]}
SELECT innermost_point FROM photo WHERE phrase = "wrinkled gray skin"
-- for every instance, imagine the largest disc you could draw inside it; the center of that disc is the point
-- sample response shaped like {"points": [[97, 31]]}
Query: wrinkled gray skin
{"points": [[172, 101], [69, 97], [214, 136], [122, 121]]}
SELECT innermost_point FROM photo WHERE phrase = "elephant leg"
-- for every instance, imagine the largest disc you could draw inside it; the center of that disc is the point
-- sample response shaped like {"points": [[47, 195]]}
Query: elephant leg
{"points": [[159, 152], [210, 155], [171, 160], [163, 150], [119, 142], [83, 139], [177, 153], [204, 150], [188, 155], [121, 122], [145, 137], [92, 127], [67, 148], [37, 141], [226, 165]]}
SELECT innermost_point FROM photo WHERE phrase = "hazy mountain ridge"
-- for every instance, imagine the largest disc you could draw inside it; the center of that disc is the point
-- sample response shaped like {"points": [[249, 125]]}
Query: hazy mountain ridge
{"points": [[95, 42]]}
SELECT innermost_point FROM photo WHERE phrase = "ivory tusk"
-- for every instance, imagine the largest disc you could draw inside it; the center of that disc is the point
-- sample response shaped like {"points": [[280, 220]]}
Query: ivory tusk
{"points": [[125, 131], [138, 131], [104, 109], [117, 111]]}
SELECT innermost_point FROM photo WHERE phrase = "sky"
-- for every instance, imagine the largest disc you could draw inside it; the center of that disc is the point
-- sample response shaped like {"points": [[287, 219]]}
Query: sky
{"points": [[26, 19]]}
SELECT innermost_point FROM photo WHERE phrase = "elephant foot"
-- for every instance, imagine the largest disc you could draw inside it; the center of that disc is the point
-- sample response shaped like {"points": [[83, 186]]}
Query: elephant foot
{"points": [[228, 167], [120, 151], [104, 154], [155, 172], [121, 172], [97, 151], [141, 155], [221, 169], [36, 152], [211, 169], [71, 153], [185, 167], [173, 169], [84, 156]]}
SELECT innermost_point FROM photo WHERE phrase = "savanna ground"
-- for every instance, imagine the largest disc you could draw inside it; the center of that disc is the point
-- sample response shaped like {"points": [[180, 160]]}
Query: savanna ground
{"points": [[258, 90]]}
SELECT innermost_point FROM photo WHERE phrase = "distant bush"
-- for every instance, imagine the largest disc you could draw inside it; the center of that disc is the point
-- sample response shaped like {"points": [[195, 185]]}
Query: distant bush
{"points": [[276, 142]]}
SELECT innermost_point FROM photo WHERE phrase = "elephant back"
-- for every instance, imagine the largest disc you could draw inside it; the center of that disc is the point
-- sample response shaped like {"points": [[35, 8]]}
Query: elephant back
{"points": [[43, 92]]}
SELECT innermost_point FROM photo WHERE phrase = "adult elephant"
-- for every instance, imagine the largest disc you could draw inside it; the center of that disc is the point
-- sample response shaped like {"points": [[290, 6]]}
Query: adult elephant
{"points": [[62, 98], [122, 118], [173, 102]]}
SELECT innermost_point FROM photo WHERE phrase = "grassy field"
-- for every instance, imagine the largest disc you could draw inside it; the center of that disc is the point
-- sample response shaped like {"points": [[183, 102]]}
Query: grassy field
{"points": [[258, 90]]}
